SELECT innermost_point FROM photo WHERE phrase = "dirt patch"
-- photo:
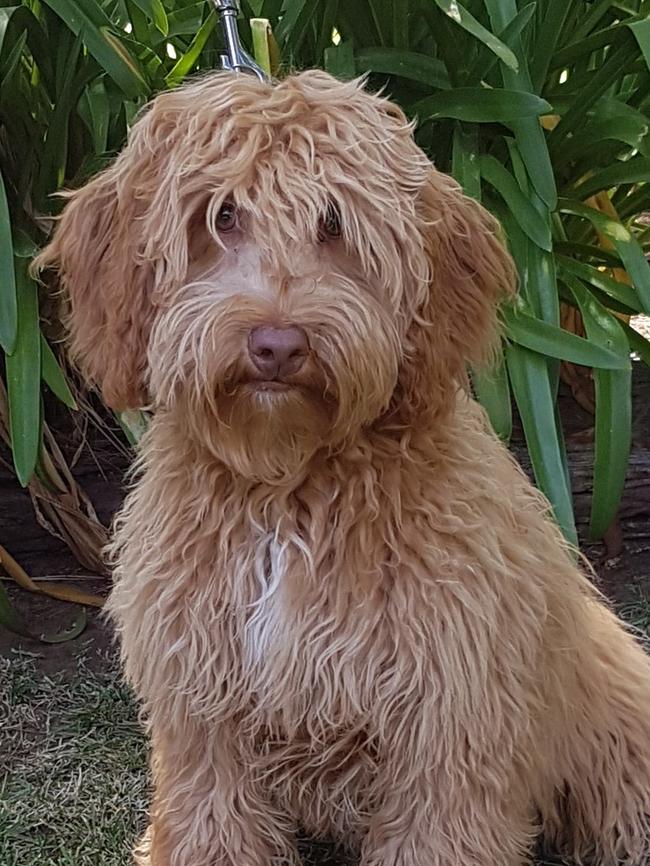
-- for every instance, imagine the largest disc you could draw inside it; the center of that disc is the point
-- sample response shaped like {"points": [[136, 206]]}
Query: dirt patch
{"points": [[47, 614], [624, 579]]}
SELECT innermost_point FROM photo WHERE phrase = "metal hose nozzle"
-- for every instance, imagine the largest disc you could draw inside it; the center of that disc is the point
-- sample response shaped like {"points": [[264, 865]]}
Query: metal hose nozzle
{"points": [[235, 58]]}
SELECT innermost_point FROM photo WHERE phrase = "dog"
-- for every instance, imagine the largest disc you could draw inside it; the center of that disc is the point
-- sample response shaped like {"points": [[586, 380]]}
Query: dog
{"points": [[343, 606]]}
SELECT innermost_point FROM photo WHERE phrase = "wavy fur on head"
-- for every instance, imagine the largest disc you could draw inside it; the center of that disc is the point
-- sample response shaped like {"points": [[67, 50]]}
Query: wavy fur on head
{"points": [[342, 605]]}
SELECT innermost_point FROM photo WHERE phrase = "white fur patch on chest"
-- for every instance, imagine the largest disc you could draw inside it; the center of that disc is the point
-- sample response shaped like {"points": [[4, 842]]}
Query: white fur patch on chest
{"points": [[267, 626]]}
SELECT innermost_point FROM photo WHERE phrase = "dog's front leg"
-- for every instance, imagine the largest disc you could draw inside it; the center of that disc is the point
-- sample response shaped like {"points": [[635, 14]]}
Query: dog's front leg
{"points": [[207, 809], [447, 796], [478, 830]]}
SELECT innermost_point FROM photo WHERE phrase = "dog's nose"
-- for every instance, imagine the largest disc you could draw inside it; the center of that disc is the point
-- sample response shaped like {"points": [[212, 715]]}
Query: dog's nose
{"points": [[278, 352]]}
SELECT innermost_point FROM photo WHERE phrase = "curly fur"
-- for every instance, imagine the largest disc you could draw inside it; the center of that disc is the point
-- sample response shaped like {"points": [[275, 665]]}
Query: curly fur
{"points": [[343, 606]]}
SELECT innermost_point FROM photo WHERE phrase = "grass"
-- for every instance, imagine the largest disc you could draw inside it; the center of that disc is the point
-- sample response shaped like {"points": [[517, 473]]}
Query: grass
{"points": [[74, 786], [73, 780], [636, 611]]}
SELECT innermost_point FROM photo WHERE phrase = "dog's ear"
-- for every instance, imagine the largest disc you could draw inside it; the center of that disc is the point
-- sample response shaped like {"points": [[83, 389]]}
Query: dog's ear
{"points": [[455, 318], [94, 251], [118, 237]]}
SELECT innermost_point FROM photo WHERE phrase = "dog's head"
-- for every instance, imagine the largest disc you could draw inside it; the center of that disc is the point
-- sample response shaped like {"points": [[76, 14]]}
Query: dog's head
{"points": [[282, 265]]}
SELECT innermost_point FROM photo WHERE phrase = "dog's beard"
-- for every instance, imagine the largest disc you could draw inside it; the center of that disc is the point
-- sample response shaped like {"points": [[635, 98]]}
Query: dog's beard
{"points": [[271, 434], [200, 369]]}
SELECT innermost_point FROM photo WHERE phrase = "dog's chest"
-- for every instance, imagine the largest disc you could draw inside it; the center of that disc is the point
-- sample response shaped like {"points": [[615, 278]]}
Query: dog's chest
{"points": [[303, 644], [268, 612]]}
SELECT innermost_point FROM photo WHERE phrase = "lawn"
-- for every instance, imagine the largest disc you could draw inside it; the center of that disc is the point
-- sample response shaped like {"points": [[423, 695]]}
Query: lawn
{"points": [[74, 787]]}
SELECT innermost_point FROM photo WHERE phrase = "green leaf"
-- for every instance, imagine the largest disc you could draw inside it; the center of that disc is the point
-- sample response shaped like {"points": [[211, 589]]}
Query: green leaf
{"points": [[510, 35], [619, 291], [550, 340], [292, 27], [187, 61], [8, 306], [501, 12], [24, 246], [581, 49], [633, 205], [536, 269], [290, 15], [481, 105], [24, 379], [529, 377], [105, 46], [637, 343], [543, 290], [529, 135], [134, 423], [531, 141], [493, 393], [270, 9], [625, 243], [339, 61], [13, 62], [18, 19], [528, 218], [591, 18], [379, 15], [465, 160], [94, 108], [405, 64], [457, 13], [140, 27], [635, 170], [518, 243], [589, 251], [607, 72], [550, 30], [400, 9], [330, 12], [613, 434], [53, 157], [53, 375], [641, 30], [184, 21], [612, 108], [629, 130], [260, 32], [542, 284], [155, 11]]}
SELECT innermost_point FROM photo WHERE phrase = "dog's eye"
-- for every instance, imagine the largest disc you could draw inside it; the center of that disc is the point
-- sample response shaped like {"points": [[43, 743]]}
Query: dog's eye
{"points": [[330, 224], [227, 217]]}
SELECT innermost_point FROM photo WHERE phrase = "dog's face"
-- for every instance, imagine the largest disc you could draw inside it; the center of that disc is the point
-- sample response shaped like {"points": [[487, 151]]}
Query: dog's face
{"points": [[282, 265]]}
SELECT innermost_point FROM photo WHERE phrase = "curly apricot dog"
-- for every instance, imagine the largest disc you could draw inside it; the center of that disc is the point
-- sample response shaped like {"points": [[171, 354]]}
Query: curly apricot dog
{"points": [[342, 604]]}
